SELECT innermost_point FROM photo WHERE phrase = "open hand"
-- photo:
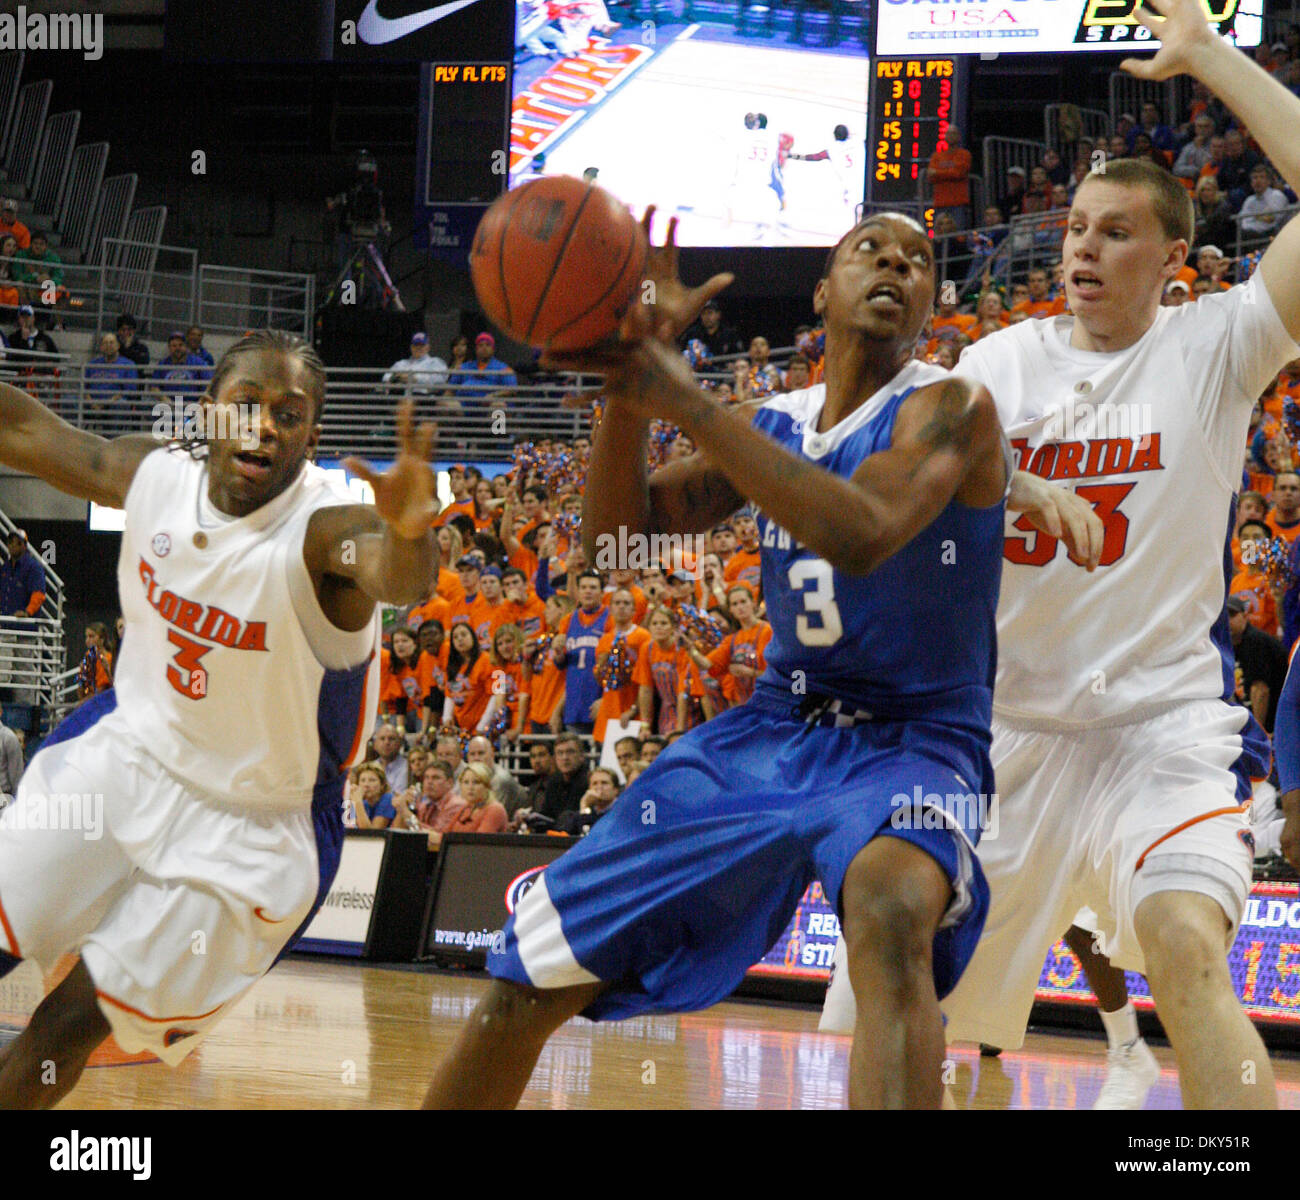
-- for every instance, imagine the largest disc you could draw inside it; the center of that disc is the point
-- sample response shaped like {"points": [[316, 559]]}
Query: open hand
{"points": [[1184, 34], [1060, 514], [405, 494]]}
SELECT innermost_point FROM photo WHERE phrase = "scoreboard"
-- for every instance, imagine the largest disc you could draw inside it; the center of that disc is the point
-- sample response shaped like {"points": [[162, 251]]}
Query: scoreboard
{"points": [[911, 104]]}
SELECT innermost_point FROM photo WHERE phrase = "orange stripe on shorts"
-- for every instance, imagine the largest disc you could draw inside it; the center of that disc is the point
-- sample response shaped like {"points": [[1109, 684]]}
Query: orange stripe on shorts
{"points": [[1218, 812], [146, 1017], [9, 933]]}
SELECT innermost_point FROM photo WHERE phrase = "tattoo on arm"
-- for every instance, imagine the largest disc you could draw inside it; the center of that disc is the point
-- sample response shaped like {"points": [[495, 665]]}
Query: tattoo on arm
{"points": [[951, 425]]}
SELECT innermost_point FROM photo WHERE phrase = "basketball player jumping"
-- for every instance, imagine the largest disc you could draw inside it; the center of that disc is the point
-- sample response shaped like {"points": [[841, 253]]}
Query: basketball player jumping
{"points": [[244, 690], [1121, 764], [881, 492]]}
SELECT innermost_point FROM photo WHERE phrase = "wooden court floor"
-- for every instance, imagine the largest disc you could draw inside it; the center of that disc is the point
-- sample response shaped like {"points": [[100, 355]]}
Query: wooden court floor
{"points": [[320, 1034]]}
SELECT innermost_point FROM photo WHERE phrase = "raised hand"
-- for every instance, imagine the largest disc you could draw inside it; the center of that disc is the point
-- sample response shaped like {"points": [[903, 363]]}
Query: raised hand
{"points": [[673, 306], [1184, 33], [405, 494]]}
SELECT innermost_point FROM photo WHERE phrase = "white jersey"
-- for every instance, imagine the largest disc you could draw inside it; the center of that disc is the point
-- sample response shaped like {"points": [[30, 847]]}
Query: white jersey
{"points": [[1154, 437], [755, 158], [230, 675]]}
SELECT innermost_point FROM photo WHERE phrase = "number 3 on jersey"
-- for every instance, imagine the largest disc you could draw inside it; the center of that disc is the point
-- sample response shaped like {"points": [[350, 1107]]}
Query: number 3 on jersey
{"points": [[818, 600], [187, 676], [1040, 548]]}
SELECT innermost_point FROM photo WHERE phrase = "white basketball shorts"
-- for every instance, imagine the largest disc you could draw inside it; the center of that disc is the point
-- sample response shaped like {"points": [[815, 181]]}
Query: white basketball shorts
{"points": [[1096, 819], [177, 902]]}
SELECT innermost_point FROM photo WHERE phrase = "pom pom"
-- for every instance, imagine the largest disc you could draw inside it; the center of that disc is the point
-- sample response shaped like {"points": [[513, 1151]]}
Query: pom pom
{"points": [[697, 354], [617, 670], [1291, 420], [1273, 560], [701, 628]]}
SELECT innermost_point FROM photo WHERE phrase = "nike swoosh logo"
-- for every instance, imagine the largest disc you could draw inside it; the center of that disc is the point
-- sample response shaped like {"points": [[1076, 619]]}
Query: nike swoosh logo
{"points": [[378, 31], [261, 916]]}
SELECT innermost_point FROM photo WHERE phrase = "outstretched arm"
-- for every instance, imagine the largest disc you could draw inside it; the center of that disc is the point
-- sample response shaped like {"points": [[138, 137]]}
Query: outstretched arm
{"points": [[34, 440], [358, 554], [1271, 112], [947, 438]]}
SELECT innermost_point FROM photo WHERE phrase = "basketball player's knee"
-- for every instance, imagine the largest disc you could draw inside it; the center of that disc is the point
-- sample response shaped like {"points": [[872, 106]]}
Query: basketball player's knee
{"points": [[512, 1010], [1183, 948], [889, 930]]}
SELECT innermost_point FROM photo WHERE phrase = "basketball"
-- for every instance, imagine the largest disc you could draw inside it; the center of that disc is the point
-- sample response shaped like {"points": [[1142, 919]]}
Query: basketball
{"points": [[556, 262]]}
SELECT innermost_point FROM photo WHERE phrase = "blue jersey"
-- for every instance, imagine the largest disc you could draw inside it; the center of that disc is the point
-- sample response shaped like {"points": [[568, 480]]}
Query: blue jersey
{"points": [[581, 690], [916, 637]]}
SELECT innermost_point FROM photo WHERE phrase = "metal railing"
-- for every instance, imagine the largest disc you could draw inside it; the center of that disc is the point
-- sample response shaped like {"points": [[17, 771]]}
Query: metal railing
{"points": [[1000, 154], [1248, 241], [31, 658], [236, 299], [32, 649], [164, 287], [1093, 123]]}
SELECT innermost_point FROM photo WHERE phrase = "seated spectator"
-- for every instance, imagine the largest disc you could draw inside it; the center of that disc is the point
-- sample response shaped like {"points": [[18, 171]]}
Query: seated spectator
{"points": [[798, 373], [482, 812], [719, 337], [388, 747], [1011, 202], [542, 762], [1196, 153], [40, 270], [1177, 293], [601, 793], [1158, 134], [485, 375], [627, 750], [96, 671], [179, 371], [1234, 172], [130, 346], [1038, 304], [11, 226], [1214, 265], [194, 342], [27, 341], [651, 747], [1126, 127], [1038, 197], [447, 749], [433, 806], [371, 801], [1214, 224], [1057, 171], [564, 788], [764, 378], [1260, 211], [112, 380], [9, 265], [505, 787], [1260, 662], [989, 316], [419, 372]]}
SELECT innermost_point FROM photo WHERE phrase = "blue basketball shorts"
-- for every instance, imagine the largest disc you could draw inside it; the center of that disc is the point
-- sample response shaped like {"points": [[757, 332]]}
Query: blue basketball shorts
{"points": [[697, 868]]}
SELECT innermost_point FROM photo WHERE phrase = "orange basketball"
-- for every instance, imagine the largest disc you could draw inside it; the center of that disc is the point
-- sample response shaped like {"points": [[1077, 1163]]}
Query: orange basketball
{"points": [[556, 263]]}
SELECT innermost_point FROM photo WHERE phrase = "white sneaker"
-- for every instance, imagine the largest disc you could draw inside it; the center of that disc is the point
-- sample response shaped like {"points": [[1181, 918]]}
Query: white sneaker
{"points": [[1130, 1072]]}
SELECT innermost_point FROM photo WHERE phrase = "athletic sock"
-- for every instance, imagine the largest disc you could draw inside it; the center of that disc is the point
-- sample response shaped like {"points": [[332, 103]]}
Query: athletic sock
{"points": [[1121, 1026]]}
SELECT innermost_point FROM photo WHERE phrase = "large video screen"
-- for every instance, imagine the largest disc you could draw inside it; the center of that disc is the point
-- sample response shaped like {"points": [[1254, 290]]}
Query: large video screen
{"points": [[1039, 26], [747, 140]]}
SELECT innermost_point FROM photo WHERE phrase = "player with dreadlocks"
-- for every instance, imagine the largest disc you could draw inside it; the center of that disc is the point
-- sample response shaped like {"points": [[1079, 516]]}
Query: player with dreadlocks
{"points": [[211, 776]]}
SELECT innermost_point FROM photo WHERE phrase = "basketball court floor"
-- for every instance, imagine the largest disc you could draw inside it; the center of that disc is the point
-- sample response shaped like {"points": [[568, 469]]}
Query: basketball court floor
{"points": [[323, 1034]]}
